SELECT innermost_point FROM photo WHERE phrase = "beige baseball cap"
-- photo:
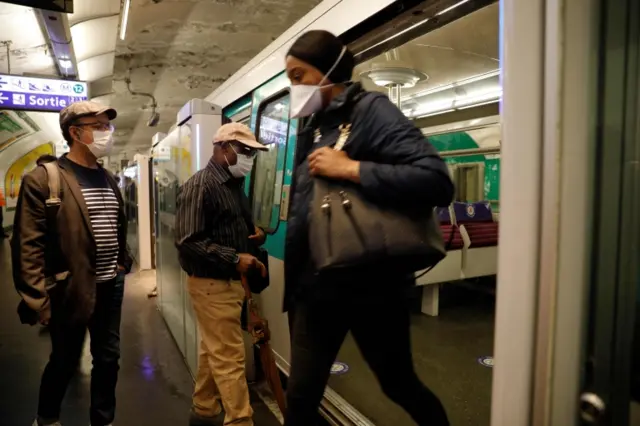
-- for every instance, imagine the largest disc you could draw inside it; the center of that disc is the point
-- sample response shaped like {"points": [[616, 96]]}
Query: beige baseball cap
{"points": [[85, 109], [238, 132]]}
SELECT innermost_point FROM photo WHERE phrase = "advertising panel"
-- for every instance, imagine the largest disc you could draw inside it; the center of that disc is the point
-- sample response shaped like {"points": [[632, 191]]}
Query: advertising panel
{"points": [[23, 165]]}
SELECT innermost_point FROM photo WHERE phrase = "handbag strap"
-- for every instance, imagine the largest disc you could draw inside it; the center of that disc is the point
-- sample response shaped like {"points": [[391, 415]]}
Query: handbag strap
{"points": [[345, 127]]}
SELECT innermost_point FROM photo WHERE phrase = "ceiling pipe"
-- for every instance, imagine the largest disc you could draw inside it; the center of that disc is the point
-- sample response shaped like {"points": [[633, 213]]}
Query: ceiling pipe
{"points": [[58, 32], [154, 118]]}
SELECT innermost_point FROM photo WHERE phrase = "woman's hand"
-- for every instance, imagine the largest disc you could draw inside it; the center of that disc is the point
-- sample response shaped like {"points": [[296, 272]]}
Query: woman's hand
{"points": [[334, 164]]}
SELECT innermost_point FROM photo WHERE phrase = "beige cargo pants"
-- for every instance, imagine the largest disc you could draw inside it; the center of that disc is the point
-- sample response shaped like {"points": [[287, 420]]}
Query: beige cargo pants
{"points": [[221, 364]]}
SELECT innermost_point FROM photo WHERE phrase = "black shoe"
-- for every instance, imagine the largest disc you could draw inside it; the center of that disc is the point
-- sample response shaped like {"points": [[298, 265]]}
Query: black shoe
{"points": [[196, 419]]}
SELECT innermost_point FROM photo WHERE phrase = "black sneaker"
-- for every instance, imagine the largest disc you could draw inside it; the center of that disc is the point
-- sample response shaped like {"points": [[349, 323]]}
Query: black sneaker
{"points": [[196, 419]]}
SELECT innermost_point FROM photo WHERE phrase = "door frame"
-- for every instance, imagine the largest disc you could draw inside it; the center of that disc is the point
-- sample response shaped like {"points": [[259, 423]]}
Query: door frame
{"points": [[548, 73]]}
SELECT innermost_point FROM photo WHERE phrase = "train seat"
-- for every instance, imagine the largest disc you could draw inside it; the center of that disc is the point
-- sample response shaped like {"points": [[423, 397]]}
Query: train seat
{"points": [[449, 269], [480, 235]]}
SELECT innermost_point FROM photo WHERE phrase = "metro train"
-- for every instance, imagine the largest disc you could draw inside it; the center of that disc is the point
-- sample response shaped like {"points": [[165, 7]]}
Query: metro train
{"points": [[466, 128], [438, 61]]}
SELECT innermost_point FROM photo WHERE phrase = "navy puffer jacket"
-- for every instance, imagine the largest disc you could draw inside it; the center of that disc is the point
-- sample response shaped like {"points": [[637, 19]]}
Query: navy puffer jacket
{"points": [[397, 165]]}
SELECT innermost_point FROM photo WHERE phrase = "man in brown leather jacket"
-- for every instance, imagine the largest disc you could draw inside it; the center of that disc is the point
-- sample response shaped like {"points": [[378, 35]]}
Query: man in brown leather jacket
{"points": [[69, 266]]}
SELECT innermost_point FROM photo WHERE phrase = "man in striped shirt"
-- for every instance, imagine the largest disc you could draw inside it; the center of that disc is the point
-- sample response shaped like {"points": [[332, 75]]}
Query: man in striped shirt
{"points": [[69, 265], [214, 235]]}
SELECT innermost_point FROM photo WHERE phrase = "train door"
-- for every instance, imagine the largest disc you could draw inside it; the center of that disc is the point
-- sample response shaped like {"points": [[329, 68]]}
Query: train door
{"points": [[570, 208], [268, 188], [611, 373]]}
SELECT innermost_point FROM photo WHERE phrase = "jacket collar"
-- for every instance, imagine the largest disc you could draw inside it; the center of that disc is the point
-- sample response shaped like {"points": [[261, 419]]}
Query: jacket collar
{"points": [[219, 173], [333, 113], [343, 98]]}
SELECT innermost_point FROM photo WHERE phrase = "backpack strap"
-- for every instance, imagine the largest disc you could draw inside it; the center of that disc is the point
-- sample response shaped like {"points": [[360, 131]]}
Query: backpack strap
{"points": [[53, 180], [52, 206]]}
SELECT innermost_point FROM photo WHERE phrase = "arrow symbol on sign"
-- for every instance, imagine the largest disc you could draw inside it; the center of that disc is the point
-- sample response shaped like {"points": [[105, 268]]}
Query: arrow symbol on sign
{"points": [[3, 98]]}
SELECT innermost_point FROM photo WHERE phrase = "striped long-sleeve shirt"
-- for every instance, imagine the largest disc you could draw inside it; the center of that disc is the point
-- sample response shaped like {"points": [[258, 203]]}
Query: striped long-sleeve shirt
{"points": [[213, 223], [103, 208]]}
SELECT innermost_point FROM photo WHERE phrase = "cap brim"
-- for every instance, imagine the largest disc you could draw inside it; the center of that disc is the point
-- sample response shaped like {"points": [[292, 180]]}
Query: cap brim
{"points": [[253, 144], [111, 113]]}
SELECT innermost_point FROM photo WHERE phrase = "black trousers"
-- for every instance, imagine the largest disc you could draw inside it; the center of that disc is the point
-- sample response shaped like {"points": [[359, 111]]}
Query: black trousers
{"points": [[380, 324], [67, 340]]}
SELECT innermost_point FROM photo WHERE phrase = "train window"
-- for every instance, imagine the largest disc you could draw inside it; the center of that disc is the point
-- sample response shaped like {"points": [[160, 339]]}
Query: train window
{"points": [[266, 188]]}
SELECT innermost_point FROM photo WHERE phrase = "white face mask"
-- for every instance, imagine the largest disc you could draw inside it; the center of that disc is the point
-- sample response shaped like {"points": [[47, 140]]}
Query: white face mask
{"points": [[307, 100], [243, 165], [102, 143]]}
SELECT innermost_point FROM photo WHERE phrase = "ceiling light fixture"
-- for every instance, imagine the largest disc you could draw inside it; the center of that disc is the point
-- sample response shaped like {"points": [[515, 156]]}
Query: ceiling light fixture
{"points": [[477, 105], [384, 76], [473, 79], [450, 8], [125, 19], [450, 105], [417, 24]]}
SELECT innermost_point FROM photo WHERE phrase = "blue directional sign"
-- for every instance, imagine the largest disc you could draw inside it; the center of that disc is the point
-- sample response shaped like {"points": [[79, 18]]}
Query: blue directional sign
{"points": [[39, 94]]}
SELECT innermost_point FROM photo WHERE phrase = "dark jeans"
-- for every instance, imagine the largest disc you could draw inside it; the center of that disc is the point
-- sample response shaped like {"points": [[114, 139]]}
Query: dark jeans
{"points": [[67, 340], [380, 326]]}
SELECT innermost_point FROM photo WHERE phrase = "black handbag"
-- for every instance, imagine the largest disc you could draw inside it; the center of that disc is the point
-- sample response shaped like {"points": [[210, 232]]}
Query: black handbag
{"points": [[348, 231]]}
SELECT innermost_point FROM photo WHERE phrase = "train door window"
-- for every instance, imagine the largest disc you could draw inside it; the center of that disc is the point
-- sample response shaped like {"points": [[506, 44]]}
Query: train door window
{"points": [[266, 188], [469, 182]]}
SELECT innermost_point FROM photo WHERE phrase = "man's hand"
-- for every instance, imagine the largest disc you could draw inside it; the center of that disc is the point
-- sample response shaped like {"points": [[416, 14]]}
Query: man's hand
{"points": [[334, 164], [259, 237], [45, 316], [248, 262]]}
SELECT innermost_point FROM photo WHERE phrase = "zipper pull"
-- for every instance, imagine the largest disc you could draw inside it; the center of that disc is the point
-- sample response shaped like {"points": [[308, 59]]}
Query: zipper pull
{"points": [[326, 205], [346, 202]]}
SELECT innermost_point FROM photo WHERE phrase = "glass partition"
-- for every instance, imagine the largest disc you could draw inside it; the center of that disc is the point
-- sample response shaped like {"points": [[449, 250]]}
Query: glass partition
{"points": [[130, 192], [190, 323], [170, 289]]}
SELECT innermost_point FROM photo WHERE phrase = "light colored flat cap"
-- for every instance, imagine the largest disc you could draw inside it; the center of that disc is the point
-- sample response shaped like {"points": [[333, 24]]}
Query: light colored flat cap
{"points": [[238, 132], [85, 109]]}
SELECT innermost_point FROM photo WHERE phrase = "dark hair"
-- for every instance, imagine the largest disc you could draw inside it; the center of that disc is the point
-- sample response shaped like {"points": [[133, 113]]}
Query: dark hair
{"points": [[322, 49], [46, 158], [66, 134]]}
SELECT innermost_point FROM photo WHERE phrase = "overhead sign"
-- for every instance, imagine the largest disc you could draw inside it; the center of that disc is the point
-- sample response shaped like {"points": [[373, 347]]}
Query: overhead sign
{"points": [[39, 94], [65, 6]]}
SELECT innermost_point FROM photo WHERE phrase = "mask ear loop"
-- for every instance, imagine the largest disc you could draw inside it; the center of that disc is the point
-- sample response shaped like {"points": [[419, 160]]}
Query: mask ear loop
{"points": [[225, 156], [333, 67]]}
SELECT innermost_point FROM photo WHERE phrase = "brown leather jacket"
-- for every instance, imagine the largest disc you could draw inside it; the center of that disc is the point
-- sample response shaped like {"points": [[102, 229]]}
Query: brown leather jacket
{"points": [[37, 255]]}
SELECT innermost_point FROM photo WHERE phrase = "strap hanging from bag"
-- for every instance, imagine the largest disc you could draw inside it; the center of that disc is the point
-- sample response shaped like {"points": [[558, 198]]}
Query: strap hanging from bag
{"points": [[259, 329]]}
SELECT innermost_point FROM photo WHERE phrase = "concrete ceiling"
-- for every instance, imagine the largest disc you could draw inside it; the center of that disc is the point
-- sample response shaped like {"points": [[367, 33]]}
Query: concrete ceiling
{"points": [[183, 49], [29, 49]]}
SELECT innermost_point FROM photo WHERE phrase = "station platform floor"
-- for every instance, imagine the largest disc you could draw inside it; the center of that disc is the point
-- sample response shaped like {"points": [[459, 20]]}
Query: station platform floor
{"points": [[154, 386]]}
